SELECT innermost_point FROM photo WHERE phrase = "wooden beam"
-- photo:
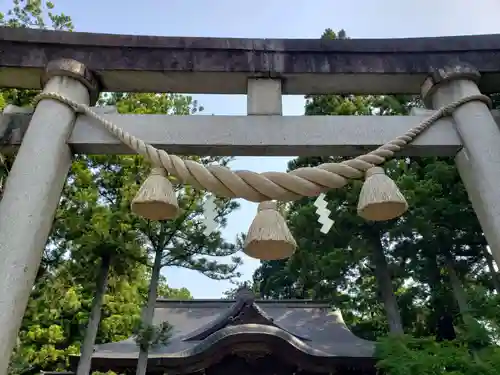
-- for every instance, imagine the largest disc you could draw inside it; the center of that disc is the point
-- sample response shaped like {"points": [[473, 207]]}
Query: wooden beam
{"points": [[252, 135], [136, 63]]}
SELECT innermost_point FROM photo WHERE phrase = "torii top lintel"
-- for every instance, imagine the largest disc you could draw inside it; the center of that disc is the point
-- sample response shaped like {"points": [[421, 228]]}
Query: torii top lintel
{"points": [[131, 63]]}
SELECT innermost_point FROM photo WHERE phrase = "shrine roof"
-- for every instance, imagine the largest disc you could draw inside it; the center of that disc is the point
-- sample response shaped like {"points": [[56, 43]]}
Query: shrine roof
{"points": [[202, 328]]}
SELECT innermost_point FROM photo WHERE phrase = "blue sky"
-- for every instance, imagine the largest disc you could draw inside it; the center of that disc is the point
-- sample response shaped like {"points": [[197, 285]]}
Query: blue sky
{"points": [[273, 19]]}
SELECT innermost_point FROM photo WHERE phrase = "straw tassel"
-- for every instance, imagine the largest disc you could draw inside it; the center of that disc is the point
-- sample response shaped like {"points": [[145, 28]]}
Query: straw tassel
{"points": [[156, 198], [380, 198], [269, 237]]}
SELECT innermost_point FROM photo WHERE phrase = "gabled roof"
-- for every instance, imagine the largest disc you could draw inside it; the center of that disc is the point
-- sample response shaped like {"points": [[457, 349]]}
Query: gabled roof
{"points": [[204, 331]]}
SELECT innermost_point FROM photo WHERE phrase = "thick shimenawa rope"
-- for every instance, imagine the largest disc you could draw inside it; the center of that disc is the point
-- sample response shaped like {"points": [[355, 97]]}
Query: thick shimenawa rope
{"points": [[259, 187]]}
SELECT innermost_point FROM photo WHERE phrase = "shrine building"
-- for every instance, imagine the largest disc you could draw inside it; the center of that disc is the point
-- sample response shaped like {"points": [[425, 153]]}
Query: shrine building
{"points": [[245, 336]]}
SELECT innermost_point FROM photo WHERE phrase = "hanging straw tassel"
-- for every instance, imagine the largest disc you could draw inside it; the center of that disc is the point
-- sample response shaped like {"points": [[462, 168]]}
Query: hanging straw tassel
{"points": [[380, 198], [269, 237], [156, 198]]}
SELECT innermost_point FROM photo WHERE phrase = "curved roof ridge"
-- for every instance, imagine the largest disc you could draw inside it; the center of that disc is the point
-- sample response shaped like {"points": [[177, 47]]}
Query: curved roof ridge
{"points": [[227, 318], [230, 317], [249, 328], [293, 303], [216, 324], [340, 321]]}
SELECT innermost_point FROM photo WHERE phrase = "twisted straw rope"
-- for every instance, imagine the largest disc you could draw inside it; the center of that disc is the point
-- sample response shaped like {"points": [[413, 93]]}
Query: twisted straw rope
{"points": [[259, 187]]}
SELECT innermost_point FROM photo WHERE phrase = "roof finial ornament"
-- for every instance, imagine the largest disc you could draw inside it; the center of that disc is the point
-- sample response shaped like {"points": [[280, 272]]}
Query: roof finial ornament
{"points": [[245, 293]]}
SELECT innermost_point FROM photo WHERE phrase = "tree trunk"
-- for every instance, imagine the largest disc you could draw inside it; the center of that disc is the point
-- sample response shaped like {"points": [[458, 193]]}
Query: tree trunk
{"points": [[463, 305], [385, 287], [441, 318], [491, 266], [457, 288], [148, 312], [95, 317]]}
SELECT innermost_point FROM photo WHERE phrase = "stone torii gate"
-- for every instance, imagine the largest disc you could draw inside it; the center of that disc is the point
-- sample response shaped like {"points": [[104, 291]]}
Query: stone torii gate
{"points": [[79, 65]]}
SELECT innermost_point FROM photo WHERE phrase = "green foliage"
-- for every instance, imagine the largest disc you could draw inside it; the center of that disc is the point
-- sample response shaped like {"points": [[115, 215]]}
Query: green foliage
{"points": [[149, 336], [164, 291], [34, 14], [404, 355], [58, 312], [182, 240], [231, 293], [148, 103]]}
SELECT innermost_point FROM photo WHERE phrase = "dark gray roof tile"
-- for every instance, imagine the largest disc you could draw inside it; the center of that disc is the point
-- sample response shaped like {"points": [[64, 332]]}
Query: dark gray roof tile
{"points": [[311, 327]]}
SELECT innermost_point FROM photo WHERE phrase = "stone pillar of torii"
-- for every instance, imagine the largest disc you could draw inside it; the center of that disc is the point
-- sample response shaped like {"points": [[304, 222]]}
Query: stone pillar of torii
{"points": [[32, 193], [36, 180]]}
